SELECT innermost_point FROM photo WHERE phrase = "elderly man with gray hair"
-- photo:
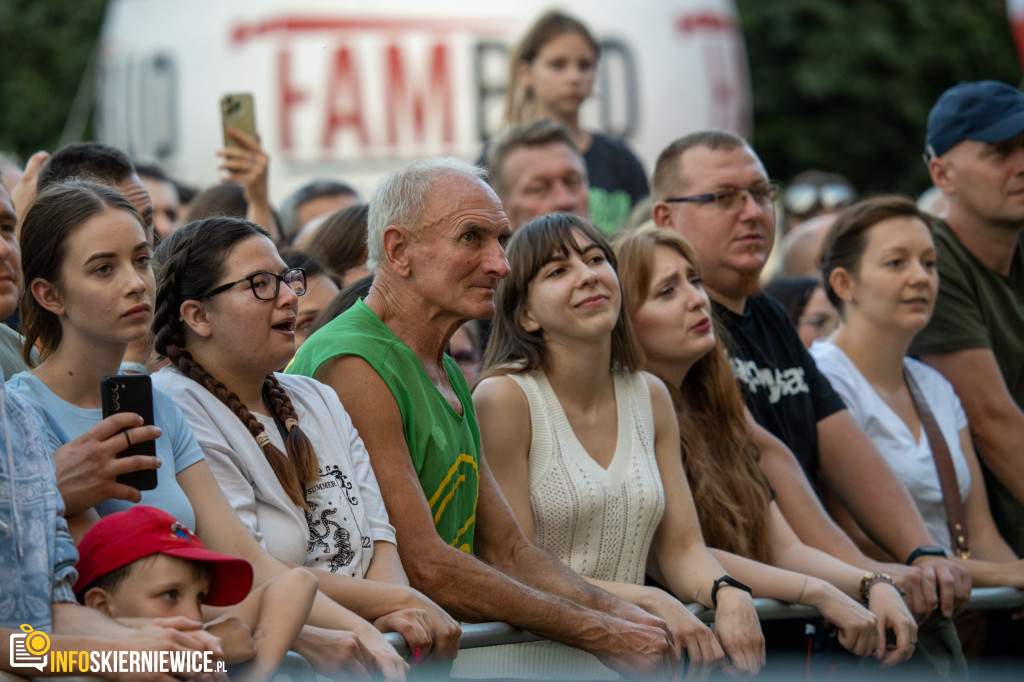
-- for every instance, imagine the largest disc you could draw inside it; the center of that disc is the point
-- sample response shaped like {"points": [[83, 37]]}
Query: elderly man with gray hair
{"points": [[436, 242]]}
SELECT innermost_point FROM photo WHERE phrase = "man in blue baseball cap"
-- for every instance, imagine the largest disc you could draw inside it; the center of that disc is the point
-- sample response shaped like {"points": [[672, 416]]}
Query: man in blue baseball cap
{"points": [[982, 111], [974, 149]]}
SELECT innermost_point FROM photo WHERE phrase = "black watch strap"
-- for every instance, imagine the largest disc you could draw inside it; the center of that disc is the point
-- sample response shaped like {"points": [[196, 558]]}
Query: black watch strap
{"points": [[925, 550], [729, 581]]}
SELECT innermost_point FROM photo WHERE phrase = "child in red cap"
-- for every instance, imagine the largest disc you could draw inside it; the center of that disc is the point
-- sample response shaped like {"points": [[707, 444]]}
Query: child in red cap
{"points": [[143, 563]]}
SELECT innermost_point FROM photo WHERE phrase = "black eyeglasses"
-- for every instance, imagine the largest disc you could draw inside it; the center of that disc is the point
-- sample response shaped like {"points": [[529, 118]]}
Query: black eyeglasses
{"points": [[267, 285], [734, 197]]}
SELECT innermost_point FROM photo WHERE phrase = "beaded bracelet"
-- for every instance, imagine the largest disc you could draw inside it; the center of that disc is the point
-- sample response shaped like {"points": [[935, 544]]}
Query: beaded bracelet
{"points": [[870, 579]]}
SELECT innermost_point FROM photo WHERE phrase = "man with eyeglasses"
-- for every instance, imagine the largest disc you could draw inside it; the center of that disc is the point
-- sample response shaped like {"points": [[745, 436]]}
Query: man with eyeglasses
{"points": [[712, 188]]}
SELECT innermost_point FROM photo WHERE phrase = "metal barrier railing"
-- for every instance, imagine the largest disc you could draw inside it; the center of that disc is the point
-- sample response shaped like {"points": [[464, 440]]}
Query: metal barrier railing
{"points": [[490, 634]]}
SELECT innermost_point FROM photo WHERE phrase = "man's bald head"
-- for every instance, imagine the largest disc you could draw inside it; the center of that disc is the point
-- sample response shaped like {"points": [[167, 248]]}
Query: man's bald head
{"points": [[801, 247]]}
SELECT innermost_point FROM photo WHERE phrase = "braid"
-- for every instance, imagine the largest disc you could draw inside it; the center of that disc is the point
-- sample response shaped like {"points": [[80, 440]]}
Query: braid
{"points": [[167, 324], [283, 467], [300, 449]]}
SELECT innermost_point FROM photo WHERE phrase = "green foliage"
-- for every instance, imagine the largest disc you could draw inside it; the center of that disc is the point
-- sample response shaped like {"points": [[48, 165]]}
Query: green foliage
{"points": [[44, 48], [847, 86]]}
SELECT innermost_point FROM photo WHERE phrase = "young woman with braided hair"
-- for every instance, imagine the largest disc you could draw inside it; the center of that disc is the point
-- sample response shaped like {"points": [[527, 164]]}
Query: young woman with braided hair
{"points": [[89, 293], [281, 447]]}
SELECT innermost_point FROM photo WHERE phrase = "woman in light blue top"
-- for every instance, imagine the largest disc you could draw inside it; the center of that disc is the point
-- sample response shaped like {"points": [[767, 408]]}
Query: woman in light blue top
{"points": [[89, 293]]}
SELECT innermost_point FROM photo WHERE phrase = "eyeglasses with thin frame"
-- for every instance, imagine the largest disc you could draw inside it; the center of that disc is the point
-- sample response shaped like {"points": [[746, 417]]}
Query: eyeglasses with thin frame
{"points": [[734, 197], [267, 285]]}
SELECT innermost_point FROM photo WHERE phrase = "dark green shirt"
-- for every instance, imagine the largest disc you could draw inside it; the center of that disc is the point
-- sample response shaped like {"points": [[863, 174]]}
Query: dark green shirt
{"points": [[979, 308]]}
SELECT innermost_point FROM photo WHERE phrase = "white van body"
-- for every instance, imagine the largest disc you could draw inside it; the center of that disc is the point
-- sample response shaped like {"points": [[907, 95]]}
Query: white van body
{"points": [[348, 90]]}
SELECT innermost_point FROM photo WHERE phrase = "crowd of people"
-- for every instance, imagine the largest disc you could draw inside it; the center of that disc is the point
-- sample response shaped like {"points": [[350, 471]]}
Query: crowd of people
{"points": [[520, 391]]}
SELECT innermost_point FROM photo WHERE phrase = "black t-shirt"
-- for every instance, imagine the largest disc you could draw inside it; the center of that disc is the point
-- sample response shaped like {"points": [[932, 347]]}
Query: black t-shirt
{"points": [[784, 389]]}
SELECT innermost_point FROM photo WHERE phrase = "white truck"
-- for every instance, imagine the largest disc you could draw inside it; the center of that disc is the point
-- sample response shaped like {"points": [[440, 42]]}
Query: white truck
{"points": [[346, 89]]}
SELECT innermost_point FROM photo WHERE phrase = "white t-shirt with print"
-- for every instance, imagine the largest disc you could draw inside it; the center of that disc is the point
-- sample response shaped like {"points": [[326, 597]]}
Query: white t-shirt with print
{"points": [[346, 513]]}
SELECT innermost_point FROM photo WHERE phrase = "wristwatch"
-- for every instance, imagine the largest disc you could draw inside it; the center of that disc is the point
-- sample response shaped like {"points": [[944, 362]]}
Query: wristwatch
{"points": [[925, 550], [728, 581]]}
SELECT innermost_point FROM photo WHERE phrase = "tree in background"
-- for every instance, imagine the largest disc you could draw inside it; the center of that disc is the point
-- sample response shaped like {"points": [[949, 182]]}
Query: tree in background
{"points": [[846, 87], [45, 47]]}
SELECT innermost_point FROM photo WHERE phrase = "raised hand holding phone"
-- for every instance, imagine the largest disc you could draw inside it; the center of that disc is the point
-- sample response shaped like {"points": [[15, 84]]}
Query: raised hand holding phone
{"points": [[87, 467], [244, 161]]}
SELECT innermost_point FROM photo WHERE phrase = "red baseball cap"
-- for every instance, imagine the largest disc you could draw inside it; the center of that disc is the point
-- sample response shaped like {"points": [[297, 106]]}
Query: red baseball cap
{"points": [[124, 537]]}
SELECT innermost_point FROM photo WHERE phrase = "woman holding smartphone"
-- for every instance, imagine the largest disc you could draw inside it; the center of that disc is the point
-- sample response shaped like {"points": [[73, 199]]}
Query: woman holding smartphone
{"points": [[89, 293]]}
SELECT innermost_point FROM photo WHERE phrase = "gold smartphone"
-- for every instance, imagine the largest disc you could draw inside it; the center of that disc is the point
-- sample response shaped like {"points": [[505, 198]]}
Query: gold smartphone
{"points": [[237, 111]]}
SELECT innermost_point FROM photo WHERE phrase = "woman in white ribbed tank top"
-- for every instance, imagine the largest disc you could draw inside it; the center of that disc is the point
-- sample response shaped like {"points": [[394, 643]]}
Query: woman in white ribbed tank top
{"points": [[586, 449]]}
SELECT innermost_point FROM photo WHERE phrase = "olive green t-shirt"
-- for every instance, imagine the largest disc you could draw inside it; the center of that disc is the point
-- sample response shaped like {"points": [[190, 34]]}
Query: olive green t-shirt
{"points": [[444, 445], [979, 308]]}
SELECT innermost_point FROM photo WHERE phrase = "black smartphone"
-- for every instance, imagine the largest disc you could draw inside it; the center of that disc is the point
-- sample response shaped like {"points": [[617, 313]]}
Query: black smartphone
{"points": [[132, 393]]}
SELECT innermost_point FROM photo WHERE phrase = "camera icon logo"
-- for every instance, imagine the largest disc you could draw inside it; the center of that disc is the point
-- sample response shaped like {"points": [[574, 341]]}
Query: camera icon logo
{"points": [[29, 648]]}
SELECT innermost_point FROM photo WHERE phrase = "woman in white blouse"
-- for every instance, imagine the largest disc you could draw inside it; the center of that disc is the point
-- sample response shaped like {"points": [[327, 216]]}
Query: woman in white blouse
{"points": [[879, 267], [586, 449]]}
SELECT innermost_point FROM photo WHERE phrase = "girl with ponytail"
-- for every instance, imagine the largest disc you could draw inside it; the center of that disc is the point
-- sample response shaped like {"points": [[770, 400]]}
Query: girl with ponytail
{"points": [[282, 447]]}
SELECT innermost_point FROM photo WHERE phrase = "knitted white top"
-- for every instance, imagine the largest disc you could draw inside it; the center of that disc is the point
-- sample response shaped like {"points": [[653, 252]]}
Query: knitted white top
{"points": [[600, 522]]}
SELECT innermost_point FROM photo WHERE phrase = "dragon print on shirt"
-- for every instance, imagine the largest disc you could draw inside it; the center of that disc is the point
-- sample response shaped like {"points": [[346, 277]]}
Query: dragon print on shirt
{"points": [[331, 536]]}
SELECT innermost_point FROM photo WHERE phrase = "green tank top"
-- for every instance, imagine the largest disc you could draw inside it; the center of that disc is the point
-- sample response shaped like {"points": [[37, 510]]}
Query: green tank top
{"points": [[444, 445]]}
